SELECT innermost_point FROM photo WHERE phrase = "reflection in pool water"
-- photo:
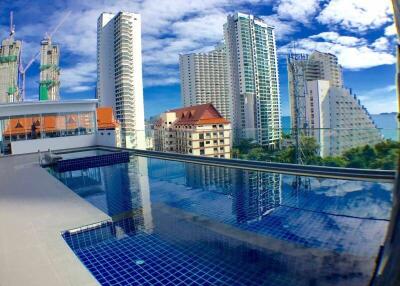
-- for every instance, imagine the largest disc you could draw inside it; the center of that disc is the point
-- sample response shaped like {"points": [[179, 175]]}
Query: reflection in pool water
{"points": [[257, 227]]}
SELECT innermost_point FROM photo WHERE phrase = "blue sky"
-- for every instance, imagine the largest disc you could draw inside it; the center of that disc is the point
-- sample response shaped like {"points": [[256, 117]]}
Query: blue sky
{"points": [[360, 33]]}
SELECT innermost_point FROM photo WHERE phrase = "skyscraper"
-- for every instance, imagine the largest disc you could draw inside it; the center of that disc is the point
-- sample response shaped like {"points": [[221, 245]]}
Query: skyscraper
{"points": [[204, 79], [253, 79], [10, 53], [49, 86], [317, 66], [324, 108], [119, 73]]}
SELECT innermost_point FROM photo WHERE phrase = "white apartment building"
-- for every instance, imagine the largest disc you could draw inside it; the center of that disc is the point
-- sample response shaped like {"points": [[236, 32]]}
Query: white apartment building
{"points": [[316, 66], [324, 66], [49, 85], [119, 73], [328, 111], [337, 120], [197, 130], [204, 79], [253, 79]]}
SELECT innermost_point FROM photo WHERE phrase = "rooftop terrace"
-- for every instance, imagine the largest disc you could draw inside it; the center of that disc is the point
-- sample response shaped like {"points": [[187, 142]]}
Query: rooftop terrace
{"points": [[66, 231]]}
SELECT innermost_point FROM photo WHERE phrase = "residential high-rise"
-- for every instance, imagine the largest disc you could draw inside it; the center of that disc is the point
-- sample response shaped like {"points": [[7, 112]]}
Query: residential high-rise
{"points": [[317, 66], [253, 79], [10, 53], [337, 120], [324, 66], [321, 107], [49, 86], [204, 79], [119, 73], [196, 130]]}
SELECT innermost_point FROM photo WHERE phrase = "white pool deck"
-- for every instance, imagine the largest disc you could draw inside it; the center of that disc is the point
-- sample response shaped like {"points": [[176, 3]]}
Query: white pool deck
{"points": [[34, 209]]}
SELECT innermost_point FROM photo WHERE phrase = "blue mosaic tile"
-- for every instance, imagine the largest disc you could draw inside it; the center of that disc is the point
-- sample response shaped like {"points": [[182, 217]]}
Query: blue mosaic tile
{"points": [[92, 161], [175, 223]]}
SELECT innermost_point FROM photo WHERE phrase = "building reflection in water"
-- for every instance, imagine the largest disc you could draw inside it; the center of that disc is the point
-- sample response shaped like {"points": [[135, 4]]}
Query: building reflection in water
{"points": [[254, 194], [121, 191]]}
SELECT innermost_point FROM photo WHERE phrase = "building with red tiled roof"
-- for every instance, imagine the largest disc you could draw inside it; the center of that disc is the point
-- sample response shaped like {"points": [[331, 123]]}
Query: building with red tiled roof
{"points": [[109, 132], [196, 130]]}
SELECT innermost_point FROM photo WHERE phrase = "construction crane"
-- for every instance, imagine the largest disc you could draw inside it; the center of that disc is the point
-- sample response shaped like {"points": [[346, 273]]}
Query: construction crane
{"points": [[12, 26], [22, 70]]}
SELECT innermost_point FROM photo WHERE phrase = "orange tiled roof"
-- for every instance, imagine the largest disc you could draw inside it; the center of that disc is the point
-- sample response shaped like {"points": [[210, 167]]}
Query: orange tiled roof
{"points": [[105, 118], [199, 114], [51, 123], [158, 122]]}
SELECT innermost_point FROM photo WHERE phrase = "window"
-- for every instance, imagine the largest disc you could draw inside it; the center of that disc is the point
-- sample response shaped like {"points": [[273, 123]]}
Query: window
{"points": [[201, 144], [201, 136], [201, 152]]}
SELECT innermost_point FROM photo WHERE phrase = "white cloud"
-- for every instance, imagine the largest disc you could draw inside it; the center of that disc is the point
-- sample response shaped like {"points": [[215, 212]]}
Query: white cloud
{"points": [[356, 15], [343, 40], [80, 77], [381, 44], [167, 30], [390, 30], [353, 53], [300, 11], [378, 100], [282, 28]]}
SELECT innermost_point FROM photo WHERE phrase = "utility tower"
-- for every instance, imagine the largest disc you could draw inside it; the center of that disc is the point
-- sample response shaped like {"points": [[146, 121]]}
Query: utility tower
{"points": [[297, 65], [297, 68]]}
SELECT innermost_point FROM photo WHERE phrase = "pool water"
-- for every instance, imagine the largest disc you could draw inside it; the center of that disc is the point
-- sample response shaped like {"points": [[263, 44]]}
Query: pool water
{"points": [[176, 223]]}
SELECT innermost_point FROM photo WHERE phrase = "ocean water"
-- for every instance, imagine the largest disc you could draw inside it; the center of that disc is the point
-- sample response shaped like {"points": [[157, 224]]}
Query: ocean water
{"points": [[387, 122]]}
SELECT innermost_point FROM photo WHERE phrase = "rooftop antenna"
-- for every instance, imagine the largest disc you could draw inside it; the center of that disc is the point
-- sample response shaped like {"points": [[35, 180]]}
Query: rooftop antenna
{"points": [[23, 70]]}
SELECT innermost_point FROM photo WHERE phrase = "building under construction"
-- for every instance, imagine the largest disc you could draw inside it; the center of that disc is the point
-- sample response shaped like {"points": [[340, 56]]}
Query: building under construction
{"points": [[10, 53], [49, 85]]}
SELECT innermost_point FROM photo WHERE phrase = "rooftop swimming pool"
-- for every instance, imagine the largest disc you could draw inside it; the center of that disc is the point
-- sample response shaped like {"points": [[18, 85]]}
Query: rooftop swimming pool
{"points": [[177, 223]]}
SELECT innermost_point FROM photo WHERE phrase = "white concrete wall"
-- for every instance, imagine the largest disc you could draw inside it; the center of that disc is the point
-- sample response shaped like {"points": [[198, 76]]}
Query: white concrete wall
{"points": [[57, 143], [106, 138]]}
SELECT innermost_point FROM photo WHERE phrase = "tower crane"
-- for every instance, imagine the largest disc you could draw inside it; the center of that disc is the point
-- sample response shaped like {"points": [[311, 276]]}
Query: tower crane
{"points": [[22, 70]]}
